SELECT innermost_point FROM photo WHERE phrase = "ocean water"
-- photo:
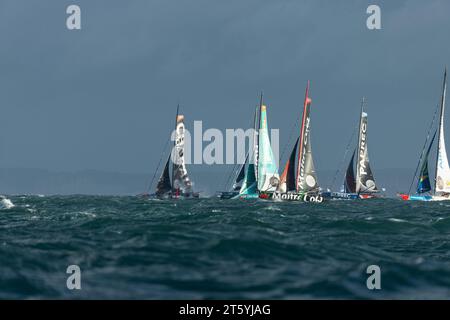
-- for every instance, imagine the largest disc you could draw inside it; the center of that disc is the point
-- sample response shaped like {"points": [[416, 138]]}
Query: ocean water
{"points": [[130, 248]]}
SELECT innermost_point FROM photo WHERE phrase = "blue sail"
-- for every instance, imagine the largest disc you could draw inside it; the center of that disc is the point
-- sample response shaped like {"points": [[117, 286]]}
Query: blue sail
{"points": [[248, 188], [424, 185], [268, 178]]}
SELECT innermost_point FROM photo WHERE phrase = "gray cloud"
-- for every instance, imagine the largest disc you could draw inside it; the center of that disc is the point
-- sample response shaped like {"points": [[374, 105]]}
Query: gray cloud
{"points": [[104, 97]]}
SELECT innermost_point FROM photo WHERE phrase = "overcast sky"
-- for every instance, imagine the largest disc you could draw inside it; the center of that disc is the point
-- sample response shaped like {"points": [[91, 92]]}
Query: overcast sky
{"points": [[104, 97]]}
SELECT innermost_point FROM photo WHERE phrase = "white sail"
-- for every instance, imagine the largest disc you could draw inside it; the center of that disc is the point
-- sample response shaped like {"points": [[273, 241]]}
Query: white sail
{"points": [[442, 182], [180, 176]]}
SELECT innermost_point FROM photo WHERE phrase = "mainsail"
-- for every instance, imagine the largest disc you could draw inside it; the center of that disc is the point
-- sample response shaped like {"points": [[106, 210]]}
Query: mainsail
{"points": [[442, 179], [306, 173], [268, 178], [181, 181], [365, 182], [423, 184], [349, 181], [287, 179], [164, 186], [255, 154]]}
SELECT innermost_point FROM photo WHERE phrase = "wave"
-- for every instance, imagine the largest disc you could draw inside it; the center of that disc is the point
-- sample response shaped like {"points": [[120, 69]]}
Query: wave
{"points": [[5, 203]]}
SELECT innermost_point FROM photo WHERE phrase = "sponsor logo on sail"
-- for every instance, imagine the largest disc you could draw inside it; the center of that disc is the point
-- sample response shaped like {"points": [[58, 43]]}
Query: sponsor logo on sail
{"points": [[362, 150], [301, 177]]}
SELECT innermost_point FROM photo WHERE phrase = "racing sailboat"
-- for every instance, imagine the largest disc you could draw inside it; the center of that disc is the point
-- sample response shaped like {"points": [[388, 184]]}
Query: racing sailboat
{"points": [[301, 184], [175, 184], [362, 184], [441, 190], [261, 174]]}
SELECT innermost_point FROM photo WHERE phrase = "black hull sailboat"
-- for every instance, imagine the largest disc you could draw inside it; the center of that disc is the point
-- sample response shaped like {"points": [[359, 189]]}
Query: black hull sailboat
{"points": [[362, 184], [175, 184], [300, 184]]}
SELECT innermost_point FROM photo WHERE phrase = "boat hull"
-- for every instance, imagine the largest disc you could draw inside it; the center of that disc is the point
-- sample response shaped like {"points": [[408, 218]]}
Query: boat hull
{"points": [[168, 196], [291, 197], [225, 195], [416, 197], [246, 196], [340, 196]]}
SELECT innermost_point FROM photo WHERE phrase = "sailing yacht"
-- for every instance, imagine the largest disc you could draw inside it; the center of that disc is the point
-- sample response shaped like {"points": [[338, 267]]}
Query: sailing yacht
{"points": [[361, 186], [261, 172], [176, 184], [301, 185], [441, 190]]}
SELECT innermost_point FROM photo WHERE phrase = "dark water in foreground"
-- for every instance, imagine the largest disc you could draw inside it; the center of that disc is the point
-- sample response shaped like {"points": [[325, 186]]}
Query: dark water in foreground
{"points": [[131, 248]]}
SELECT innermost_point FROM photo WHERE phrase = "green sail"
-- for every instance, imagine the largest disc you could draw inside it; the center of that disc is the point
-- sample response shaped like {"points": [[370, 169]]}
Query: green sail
{"points": [[268, 178], [249, 185]]}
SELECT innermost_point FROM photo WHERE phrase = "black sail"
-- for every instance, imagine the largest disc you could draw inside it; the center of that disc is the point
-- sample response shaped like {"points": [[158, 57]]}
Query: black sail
{"points": [[164, 185], [290, 175], [365, 182], [349, 182]]}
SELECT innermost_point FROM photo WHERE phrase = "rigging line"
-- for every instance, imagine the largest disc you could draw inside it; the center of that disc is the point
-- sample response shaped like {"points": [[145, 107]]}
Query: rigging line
{"points": [[159, 164], [343, 159], [293, 127], [235, 172], [174, 147], [236, 167], [423, 149]]}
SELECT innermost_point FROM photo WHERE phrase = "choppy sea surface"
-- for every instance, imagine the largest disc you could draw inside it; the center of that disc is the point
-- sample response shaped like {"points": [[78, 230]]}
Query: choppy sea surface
{"points": [[131, 248]]}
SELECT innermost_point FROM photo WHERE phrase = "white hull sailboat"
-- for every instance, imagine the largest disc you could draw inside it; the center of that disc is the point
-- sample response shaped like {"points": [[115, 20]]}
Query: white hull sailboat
{"points": [[441, 190]]}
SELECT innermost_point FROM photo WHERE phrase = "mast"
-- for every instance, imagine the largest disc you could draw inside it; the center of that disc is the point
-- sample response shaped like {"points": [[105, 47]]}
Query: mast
{"points": [[358, 152], [302, 131], [174, 144], [257, 127], [440, 129]]}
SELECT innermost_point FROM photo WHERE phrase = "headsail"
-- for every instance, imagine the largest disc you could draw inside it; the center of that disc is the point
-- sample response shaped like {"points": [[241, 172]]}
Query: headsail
{"points": [[365, 182], [306, 173], [249, 183], [349, 181], [268, 178], [287, 179], [181, 181], [240, 177], [442, 179], [423, 184], [164, 185]]}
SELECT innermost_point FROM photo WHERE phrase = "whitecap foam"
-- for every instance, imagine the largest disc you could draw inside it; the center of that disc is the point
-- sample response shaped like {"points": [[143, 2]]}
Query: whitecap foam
{"points": [[5, 203], [272, 208], [396, 220]]}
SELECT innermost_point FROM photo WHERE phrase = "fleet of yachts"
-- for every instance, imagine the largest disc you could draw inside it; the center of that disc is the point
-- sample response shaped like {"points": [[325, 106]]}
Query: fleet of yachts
{"points": [[258, 177]]}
